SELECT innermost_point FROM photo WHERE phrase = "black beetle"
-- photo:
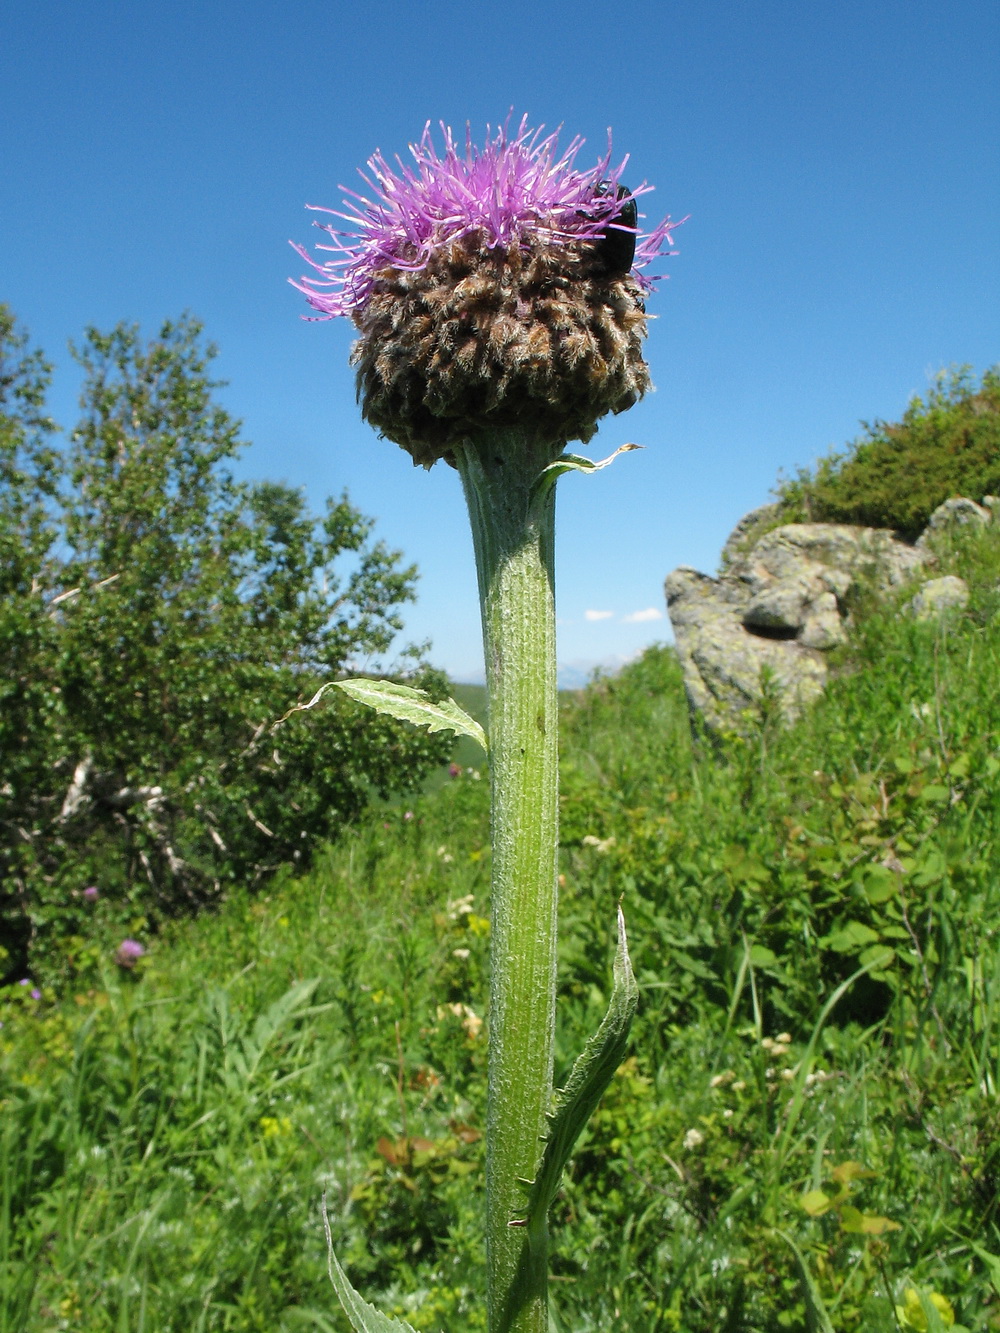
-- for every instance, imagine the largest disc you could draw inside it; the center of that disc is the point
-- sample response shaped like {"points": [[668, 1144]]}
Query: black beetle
{"points": [[616, 249]]}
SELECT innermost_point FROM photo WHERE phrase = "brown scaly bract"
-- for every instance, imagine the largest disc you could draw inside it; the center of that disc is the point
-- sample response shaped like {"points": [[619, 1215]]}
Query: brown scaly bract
{"points": [[492, 338]]}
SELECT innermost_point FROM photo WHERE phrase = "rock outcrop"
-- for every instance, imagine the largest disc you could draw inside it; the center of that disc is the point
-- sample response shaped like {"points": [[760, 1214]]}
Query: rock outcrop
{"points": [[765, 624]]}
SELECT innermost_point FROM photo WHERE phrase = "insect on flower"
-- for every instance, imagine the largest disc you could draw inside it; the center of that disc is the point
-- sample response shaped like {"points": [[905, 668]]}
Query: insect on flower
{"points": [[616, 248]]}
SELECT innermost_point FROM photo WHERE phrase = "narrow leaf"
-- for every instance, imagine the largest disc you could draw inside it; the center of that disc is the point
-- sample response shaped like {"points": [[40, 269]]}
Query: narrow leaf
{"points": [[364, 1317], [591, 1074], [404, 703], [819, 1320], [992, 1262], [576, 463]]}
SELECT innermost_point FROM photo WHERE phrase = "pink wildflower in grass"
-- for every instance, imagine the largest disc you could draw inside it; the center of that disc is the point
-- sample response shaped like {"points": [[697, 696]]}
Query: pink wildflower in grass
{"points": [[91, 893], [517, 190], [128, 953]]}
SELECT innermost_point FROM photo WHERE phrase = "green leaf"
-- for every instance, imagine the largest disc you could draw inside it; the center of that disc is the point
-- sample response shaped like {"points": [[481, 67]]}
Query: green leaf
{"points": [[574, 463], [865, 1224], [992, 1262], [819, 1320], [815, 1203], [762, 956], [881, 956], [591, 1074], [852, 936], [846, 1172], [878, 884], [405, 704], [364, 1317]]}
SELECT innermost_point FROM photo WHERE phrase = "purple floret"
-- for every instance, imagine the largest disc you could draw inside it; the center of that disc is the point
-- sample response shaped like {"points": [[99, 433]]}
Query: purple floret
{"points": [[513, 191]]}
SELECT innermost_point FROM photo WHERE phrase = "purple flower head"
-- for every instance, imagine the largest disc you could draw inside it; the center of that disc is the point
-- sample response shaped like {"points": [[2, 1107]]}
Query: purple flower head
{"points": [[128, 953], [516, 190], [91, 893], [25, 981], [36, 994]]}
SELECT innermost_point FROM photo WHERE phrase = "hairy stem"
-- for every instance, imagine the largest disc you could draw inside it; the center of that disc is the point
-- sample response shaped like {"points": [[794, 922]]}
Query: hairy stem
{"points": [[513, 532]]}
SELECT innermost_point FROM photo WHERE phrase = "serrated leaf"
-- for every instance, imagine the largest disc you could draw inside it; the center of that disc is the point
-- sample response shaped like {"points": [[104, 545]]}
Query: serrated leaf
{"points": [[591, 1074], [364, 1317], [406, 704]]}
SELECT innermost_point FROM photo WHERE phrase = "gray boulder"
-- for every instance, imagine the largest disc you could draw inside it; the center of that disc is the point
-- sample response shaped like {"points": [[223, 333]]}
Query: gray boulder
{"points": [[936, 597], [956, 513], [726, 665], [765, 624]]}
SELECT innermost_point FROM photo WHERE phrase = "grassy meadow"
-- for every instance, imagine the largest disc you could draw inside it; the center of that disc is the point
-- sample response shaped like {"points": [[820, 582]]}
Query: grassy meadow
{"points": [[805, 1136]]}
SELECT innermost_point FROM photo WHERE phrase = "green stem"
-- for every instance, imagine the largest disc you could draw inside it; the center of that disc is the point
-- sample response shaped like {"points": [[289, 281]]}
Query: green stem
{"points": [[513, 533]]}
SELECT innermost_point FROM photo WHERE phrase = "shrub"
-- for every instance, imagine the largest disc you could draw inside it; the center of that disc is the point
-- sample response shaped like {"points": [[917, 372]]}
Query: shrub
{"points": [[157, 620], [897, 474]]}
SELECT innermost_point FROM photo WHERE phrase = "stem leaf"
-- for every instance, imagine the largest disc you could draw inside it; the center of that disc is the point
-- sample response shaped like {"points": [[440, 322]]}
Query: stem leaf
{"points": [[406, 704], [364, 1317], [576, 463], [591, 1074]]}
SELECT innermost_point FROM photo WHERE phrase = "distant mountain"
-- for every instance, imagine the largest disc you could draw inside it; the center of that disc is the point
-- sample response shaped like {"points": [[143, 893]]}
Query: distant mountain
{"points": [[571, 675]]}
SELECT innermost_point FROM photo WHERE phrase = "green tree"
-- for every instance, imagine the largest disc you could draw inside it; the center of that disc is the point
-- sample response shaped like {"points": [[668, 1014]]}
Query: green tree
{"points": [[29, 480], [186, 614]]}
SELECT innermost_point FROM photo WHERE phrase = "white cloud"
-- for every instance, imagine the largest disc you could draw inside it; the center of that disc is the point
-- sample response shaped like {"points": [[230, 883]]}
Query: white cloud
{"points": [[637, 617], [598, 615]]}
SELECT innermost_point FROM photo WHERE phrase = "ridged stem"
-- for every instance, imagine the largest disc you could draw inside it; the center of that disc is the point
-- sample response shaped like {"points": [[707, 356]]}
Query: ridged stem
{"points": [[513, 534]]}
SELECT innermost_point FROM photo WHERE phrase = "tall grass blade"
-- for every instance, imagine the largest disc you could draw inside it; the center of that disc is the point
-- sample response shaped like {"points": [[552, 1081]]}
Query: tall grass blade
{"points": [[819, 1320]]}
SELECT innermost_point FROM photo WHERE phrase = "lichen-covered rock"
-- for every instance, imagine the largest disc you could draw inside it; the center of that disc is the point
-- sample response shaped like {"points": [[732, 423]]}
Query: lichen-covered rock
{"points": [[723, 662], [955, 513], [938, 596], [742, 536], [838, 553], [778, 606]]}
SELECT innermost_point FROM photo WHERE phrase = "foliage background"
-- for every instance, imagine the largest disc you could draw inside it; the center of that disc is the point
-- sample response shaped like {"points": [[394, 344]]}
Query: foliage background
{"points": [[805, 1136], [158, 619], [897, 473]]}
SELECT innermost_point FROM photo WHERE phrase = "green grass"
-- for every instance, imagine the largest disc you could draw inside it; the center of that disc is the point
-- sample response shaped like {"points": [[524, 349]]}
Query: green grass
{"points": [[807, 1128]]}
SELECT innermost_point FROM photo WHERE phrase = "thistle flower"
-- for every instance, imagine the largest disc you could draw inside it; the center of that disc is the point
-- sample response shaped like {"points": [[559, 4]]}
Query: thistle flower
{"points": [[483, 294], [128, 953], [498, 292]]}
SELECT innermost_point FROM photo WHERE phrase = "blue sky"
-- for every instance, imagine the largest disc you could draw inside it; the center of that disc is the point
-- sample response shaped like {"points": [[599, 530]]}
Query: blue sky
{"points": [[839, 164]]}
